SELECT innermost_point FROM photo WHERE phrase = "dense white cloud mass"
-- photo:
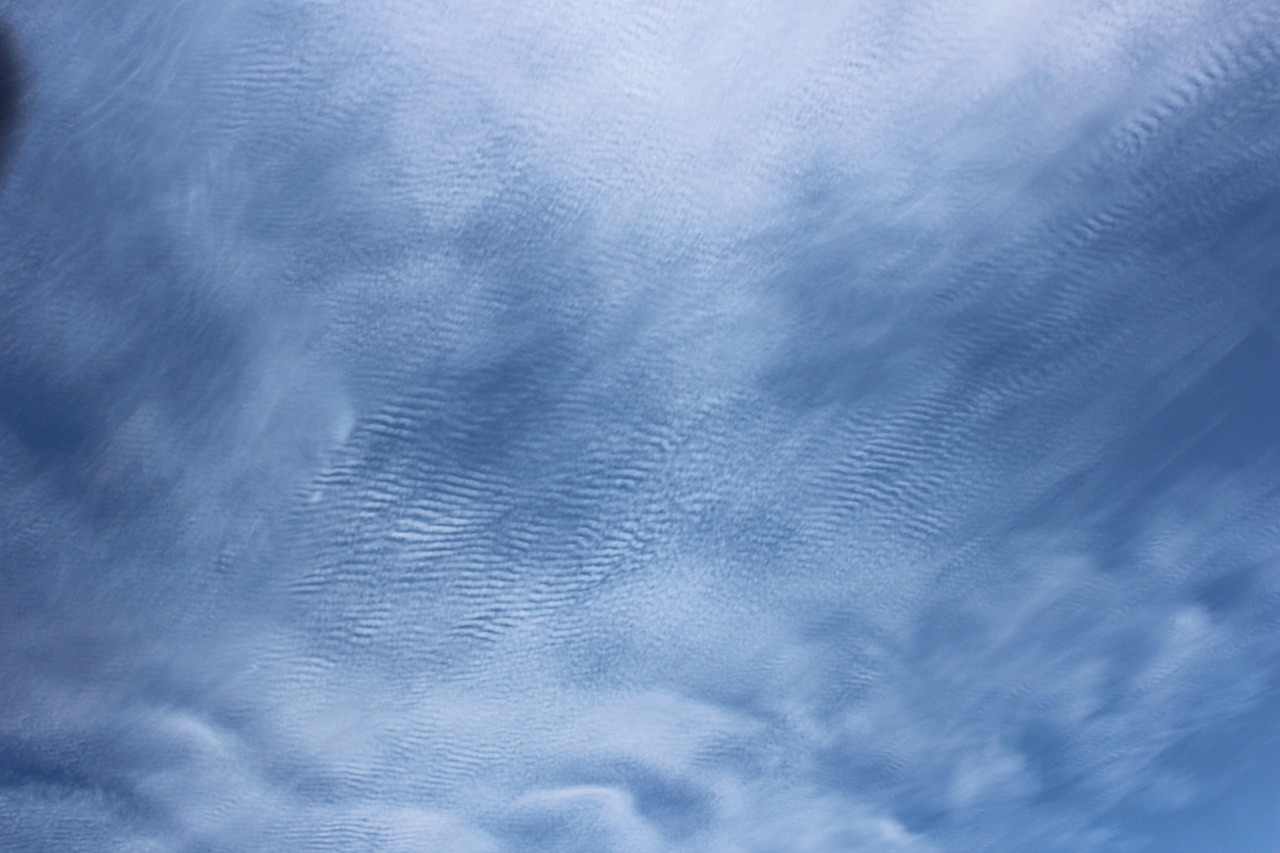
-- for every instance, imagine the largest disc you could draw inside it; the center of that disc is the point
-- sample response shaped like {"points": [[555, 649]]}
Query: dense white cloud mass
{"points": [[640, 426]]}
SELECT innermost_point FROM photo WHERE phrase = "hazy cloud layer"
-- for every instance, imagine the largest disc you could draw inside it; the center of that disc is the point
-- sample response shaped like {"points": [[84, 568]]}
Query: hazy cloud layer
{"points": [[640, 427]]}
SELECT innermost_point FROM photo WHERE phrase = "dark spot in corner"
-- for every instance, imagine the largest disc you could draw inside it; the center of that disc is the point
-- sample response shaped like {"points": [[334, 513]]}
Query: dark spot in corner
{"points": [[11, 96]]}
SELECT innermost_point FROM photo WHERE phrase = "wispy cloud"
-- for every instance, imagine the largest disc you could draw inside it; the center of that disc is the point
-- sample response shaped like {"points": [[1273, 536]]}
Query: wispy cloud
{"points": [[636, 427]]}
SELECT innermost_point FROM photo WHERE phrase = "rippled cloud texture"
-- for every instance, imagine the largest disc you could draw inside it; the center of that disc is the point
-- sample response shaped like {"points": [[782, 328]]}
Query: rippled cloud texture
{"points": [[640, 427]]}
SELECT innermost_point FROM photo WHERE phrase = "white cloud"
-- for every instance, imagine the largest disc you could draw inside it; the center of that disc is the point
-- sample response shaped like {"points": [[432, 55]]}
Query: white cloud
{"points": [[637, 427]]}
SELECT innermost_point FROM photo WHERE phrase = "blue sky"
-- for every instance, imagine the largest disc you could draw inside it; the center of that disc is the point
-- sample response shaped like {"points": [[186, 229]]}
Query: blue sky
{"points": [[640, 427]]}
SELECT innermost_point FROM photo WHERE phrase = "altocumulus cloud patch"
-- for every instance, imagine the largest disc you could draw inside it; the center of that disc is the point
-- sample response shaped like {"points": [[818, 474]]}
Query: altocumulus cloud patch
{"points": [[639, 427]]}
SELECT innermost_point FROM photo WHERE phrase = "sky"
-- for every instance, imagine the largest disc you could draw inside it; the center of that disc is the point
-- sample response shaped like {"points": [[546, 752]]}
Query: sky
{"points": [[640, 426]]}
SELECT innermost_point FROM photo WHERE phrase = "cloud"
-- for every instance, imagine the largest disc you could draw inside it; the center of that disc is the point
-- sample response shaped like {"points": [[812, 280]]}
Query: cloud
{"points": [[638, 427]]}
